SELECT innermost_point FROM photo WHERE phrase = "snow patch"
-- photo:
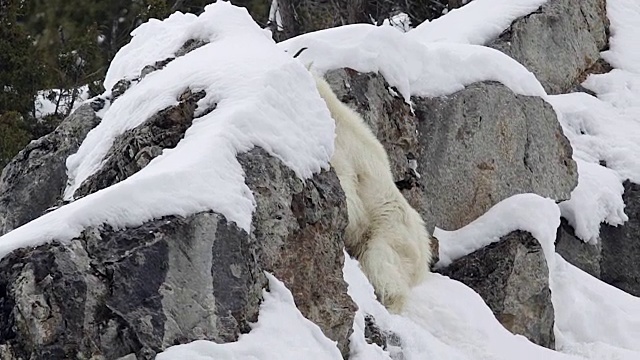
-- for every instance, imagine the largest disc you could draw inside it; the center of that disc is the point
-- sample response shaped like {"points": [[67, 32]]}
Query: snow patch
{"points": [[281, 333], [476, 23], [413, 68], [48, 101], [528, 212], [624, 51]]}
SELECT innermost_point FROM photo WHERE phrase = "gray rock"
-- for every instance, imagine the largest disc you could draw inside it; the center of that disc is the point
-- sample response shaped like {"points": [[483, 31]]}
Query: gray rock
{"points": [[512, 277], [484, 144], [614, 259], [558, 42], [189, 46], [620, 246], [135, 148], [139, 290], [112, 293], [120, 88], [458, 155], [582, 255], [373, 334], [385, 339], [301, 240], [35, 179]]}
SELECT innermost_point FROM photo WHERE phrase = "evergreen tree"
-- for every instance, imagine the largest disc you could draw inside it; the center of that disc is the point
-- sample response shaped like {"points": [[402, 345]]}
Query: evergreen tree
{"points": [[21, 74]]}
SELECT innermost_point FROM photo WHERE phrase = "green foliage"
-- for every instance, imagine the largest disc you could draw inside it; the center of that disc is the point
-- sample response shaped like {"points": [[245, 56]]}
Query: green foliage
{"points": [[13, 136], [66, 44], [156, 9], [21, 74]]}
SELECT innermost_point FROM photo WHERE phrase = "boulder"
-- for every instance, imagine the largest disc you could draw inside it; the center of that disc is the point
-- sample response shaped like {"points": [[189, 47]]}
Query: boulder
{"points": [[35, 179], [456, 156], [558, 42], [620, 246], [512, 277], [299, 226], [583, 255], [484, 144], [614, 258], [112, 293]]}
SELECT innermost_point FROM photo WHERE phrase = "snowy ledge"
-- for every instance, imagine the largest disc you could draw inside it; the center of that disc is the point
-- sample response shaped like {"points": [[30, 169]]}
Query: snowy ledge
{"points": [[415, 69]]}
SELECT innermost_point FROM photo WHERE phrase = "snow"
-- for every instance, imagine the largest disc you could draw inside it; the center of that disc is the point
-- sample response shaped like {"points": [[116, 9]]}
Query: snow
{"points": [[596, 199], [593, 319], [606, 128], [46, 101], [262, 95], [528, 212], [475, 23], [624, 52], [412, 68], [400, 21], [158, 40], [281, 329], [275, 17]]}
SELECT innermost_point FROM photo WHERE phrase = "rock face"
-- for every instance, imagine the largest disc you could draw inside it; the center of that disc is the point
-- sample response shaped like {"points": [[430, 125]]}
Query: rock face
{"points": [[134, 149], [583, 255], [484, 144], [558, 42], [620, 247], [299, 227], [513, 279], [614, 259], [463, 153], [35, 179], [112, 293]]}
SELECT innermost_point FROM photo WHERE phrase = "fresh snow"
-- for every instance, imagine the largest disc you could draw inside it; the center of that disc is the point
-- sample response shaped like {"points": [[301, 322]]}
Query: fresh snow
{"points": [[592, 319], [520, 212], [597, 198], [412, 68], [264, 98], [624, 51], [606, 128], [47, 101], [475, 23], [261, 95]]}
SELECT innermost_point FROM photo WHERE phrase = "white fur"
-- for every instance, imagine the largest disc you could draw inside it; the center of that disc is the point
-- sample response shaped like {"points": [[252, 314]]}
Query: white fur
{"points": [[385, 234]]}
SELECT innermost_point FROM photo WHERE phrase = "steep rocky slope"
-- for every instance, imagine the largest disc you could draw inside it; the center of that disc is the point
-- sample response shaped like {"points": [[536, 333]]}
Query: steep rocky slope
{"points": [[131, 291]]}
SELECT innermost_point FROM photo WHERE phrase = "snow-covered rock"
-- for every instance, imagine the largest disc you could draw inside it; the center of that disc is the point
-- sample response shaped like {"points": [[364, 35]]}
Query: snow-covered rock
{"points": [[558, 42], [512, 277], [619, 265], [202, 176], [179, 279], [184, 209], [456, 156], [34, 180]]}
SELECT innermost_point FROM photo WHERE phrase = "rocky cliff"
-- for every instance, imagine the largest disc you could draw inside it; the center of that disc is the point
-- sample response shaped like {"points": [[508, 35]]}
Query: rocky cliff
{"points": [[132, 292]]}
